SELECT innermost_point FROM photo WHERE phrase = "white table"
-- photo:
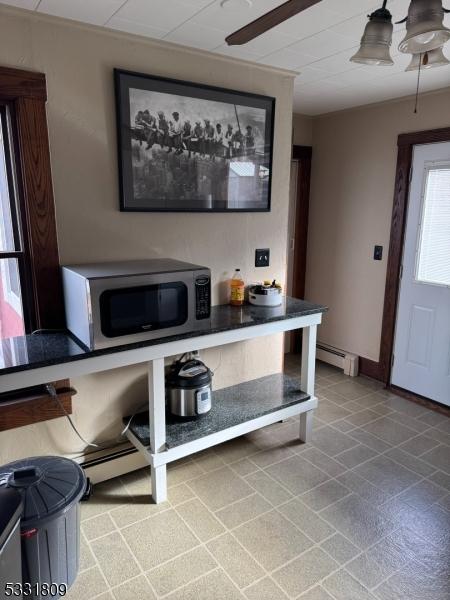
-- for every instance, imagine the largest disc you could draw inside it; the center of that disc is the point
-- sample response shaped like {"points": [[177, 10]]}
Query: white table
{"points": [[157, 454]]}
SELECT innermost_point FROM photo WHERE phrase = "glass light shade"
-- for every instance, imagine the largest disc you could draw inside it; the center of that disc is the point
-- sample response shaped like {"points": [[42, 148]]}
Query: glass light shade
{"points": [[425, 29], [436, 58], [375, 44], [236, 5]]}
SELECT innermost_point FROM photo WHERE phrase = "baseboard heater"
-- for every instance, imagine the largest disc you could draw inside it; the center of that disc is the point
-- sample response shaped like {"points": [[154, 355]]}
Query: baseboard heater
{"points": [[349, 363], [112, 462]]}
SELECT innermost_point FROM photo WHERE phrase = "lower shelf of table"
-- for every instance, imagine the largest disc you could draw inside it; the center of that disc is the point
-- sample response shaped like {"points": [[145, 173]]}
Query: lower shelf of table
{"points": [[256, 402]]}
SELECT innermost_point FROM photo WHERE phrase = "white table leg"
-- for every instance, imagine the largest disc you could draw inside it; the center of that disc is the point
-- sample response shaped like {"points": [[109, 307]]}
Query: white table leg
{"points": [[307, 377], [157, 418], [306, 426], [308, 359], [159, 484]]}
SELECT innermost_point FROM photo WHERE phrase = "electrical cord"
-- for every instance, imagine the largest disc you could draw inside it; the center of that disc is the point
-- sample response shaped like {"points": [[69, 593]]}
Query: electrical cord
{"points": [[182, 357], [218, 366], [418, 83], [51, 390], [127, 426], [197, 356], [54, 394]]}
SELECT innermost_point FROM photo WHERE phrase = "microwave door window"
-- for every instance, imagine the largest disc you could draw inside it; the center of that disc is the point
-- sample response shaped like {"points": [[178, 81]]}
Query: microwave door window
{"points": [[165, 305], [127, 311], [146, 308]]}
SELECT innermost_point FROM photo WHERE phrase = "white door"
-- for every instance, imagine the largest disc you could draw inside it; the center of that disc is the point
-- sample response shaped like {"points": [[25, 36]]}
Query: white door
{"points": [[422, 338]]}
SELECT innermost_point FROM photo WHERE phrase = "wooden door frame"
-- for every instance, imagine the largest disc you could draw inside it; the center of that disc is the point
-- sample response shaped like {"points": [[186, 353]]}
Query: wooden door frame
{"points": [[303, 155], [381, 370]]}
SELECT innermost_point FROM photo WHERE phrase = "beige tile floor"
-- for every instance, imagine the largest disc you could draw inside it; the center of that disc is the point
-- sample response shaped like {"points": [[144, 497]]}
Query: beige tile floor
{"points": [[361, 512]]}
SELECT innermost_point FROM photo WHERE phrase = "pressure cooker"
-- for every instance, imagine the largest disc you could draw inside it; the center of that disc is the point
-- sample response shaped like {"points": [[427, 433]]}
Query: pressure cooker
{"points": [[188, 386]]}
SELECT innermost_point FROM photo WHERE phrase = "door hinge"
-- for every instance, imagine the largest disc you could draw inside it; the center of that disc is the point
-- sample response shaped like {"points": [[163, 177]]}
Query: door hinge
{"points": [[392, 360], [401, 272], [410, 173]]}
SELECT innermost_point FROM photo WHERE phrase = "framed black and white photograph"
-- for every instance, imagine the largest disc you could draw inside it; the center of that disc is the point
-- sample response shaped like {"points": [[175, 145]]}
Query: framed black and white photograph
{"points": [[190, 147]]}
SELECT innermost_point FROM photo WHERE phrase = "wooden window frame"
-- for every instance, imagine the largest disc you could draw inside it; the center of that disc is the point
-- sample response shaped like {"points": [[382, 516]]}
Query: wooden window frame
{"points": [[381, 370], [25, 92]]}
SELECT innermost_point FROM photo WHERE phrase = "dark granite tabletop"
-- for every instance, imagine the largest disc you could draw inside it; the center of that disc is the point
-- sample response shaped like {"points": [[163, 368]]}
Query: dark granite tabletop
{"points": [[44, 349]]}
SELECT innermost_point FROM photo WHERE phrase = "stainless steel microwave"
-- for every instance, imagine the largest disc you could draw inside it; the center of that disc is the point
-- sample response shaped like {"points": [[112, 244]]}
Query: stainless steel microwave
{"points": [[109, 304]]}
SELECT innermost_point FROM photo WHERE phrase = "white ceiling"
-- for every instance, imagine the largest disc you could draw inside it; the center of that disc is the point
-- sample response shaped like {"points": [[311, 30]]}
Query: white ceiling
{"points": [[318, 42]]}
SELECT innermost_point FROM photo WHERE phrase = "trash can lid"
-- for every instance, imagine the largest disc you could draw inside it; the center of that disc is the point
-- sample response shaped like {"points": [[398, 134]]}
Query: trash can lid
{"points": [[49, 485]]}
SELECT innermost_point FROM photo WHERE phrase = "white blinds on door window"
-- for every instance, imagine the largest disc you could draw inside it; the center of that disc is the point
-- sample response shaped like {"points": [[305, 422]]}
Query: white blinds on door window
{"points": [[433, 264]]}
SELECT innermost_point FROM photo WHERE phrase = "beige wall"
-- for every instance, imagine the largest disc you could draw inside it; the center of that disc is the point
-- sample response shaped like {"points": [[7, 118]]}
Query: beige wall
{"points": [[353, 174], [78, 62], [302, 130]]}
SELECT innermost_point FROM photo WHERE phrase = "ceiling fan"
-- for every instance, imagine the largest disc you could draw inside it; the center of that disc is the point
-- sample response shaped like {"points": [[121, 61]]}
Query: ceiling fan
{"points": [[268, 21], [426, 33]]}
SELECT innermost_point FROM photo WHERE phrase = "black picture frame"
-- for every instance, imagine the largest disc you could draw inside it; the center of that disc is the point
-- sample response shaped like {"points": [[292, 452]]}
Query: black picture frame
{"points": [[171, 165]]}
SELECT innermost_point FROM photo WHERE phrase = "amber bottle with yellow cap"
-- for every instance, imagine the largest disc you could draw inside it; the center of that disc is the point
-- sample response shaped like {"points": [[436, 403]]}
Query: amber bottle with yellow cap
{"points": [[237, 289]]}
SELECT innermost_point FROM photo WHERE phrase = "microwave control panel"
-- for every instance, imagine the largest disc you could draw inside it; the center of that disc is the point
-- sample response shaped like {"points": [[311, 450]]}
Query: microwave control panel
{"points": [[202, 297]]}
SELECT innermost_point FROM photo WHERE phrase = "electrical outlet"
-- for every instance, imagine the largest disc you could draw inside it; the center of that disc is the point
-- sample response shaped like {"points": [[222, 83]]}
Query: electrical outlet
{"points": [[262, 257], [378, 253]]}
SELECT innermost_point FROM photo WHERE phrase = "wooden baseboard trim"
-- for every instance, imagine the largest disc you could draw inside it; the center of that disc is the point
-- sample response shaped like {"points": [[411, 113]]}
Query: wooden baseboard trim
{"points": [[375, 370], [35, 406], [371, 369], [426, 402]]}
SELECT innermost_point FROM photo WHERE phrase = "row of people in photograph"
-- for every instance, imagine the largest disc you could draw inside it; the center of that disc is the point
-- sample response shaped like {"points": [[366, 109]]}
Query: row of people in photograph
{"points": [[203, 139]]}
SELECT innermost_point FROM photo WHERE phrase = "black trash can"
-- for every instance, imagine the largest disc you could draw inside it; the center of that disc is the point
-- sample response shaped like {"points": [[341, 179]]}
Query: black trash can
{"points": [[10, 559], [51, 488]]}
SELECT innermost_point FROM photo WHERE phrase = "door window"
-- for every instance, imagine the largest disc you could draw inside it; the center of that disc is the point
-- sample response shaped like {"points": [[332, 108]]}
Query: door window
{"points": [[433, 260]]}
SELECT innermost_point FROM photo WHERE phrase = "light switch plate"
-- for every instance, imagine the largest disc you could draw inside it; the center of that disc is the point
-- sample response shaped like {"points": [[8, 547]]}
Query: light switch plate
{"points": [[378, 253], [262, 257]]}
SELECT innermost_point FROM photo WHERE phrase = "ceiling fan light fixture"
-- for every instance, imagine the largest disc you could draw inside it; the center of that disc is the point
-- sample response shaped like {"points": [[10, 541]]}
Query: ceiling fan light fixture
{"points": [[434, 58], [236, 5], [425, 29], [376, 40]]}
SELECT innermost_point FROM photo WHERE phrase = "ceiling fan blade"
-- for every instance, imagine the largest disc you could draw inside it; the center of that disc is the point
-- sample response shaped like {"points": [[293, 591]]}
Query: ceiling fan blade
{"points": [[269, 20]]}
